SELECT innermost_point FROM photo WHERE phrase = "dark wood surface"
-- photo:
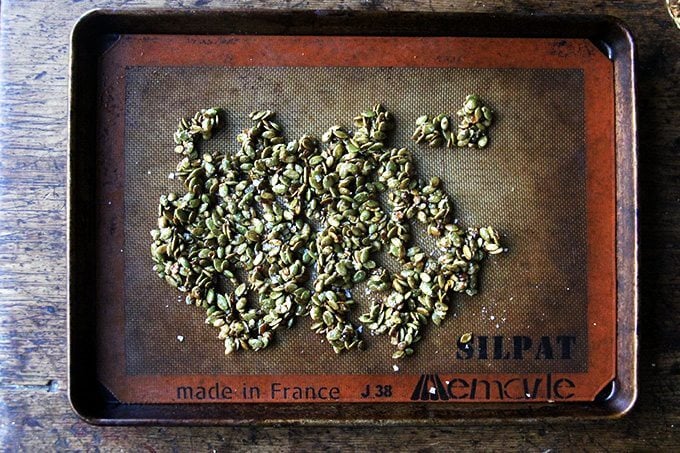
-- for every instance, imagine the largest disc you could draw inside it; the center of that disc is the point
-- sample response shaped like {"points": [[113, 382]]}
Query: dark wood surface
{"points": [[34, 410]]}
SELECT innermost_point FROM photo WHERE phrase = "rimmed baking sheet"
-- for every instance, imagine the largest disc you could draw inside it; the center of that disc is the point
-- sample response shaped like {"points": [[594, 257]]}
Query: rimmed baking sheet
{"points": [[544, 324]]}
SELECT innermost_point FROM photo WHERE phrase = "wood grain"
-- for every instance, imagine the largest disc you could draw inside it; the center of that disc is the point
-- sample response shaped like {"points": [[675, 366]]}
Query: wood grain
{"points": [[34, 411]]}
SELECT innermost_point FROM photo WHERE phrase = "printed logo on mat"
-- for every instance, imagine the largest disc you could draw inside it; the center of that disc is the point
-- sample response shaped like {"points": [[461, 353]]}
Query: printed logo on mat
{"points": [[430, 388]]}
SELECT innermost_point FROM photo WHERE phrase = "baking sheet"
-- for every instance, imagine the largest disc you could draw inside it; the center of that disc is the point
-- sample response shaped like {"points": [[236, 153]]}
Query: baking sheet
{"points": [[546, 181]]}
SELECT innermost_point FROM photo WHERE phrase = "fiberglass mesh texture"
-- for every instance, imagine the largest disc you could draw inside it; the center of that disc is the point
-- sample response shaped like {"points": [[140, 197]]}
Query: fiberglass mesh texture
{"points": [[529, 183]]}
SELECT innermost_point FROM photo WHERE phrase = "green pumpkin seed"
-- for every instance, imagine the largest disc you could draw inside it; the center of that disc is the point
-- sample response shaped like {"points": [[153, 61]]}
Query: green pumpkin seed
{"points": [[215, 228]]}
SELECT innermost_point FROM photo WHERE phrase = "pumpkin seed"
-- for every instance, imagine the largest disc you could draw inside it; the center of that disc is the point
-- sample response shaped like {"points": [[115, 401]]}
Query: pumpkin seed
{"points": [[216, 228], [471, 131]]}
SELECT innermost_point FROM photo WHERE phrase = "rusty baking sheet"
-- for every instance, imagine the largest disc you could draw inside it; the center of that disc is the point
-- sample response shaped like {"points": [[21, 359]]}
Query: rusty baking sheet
{"points": [[554, 323]]}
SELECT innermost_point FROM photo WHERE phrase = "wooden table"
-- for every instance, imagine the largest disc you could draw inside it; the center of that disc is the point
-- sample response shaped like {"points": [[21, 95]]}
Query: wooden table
{"points": [[34, 410]]}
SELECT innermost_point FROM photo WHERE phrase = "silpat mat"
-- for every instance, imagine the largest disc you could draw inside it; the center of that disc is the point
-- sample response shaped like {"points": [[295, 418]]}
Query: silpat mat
{"points": [[537, 313]]}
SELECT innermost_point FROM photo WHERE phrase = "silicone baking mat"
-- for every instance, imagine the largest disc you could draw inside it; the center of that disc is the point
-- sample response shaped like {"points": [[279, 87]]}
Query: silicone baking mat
{"points": [[543, 322]]}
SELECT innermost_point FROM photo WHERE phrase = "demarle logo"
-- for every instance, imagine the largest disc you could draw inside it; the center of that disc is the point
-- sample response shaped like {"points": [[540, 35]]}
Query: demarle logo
{"points": [[429, 388]]}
